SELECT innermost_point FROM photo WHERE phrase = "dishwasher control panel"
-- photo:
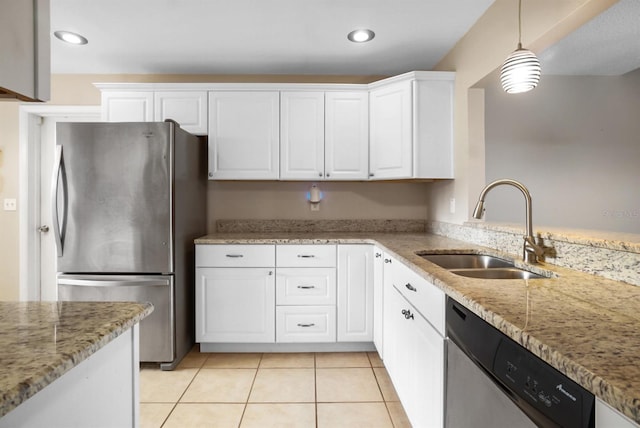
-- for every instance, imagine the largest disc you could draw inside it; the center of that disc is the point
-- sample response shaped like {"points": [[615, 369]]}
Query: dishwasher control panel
{"points": [[546, 396], [538, 383]]}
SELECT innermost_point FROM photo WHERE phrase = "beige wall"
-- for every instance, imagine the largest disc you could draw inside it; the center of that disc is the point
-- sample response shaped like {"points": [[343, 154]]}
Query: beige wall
{"points": [[479, 53], [577, 152]]}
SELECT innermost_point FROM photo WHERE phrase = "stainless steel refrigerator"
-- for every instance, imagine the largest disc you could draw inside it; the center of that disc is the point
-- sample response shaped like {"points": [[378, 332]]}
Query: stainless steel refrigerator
{"points": [[129, 199]]}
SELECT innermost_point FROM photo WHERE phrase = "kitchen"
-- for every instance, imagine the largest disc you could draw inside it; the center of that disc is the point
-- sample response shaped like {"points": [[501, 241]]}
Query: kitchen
{"points": [[343, 200]]}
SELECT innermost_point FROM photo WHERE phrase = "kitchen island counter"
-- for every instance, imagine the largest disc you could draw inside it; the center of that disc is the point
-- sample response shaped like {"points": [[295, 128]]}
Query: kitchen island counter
{"points": [[583, 325], [41, 341]]}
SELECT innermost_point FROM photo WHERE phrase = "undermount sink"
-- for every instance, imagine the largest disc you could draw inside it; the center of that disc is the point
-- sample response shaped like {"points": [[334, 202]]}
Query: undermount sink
{"points": [[467, 261], [496, 273], [479, 266]]}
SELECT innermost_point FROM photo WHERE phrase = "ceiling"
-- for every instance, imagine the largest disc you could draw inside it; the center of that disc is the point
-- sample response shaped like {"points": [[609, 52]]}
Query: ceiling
{"points": [[608, 45], [258, 36]]}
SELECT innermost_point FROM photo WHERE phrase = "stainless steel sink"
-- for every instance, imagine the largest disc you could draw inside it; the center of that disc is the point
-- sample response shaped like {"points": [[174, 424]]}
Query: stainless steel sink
{"points": [[467, 261], [479, 266], [497, 273]]}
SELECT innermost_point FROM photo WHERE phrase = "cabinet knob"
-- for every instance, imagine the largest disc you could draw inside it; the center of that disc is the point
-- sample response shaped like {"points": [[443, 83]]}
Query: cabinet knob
{"points": [[410, 287], [320, 174], [387, 260], [328, 175], [211, 174], [407, 314], [378, 255], [371, 174]]}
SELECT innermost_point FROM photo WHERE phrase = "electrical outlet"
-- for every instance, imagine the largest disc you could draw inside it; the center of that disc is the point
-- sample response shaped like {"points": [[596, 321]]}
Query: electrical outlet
{"points": [[315, 207], [10, 205], [452, 205]]}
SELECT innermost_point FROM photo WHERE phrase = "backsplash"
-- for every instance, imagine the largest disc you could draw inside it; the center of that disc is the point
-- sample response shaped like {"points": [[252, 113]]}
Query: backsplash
{"points": [[262, 226], [617, 258]]}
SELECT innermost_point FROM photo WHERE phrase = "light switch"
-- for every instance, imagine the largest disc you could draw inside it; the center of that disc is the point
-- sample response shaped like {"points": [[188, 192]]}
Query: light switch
{"points": [[10, 205]]}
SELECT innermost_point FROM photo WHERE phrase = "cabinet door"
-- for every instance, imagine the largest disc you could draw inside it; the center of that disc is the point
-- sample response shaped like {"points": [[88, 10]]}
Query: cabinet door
{"points": [[235, 305], [188, 108], [390, 147], [607, 417], [378, 300], [244, 135], [416, 363], [346, 135], [355, 293], [302, 135], [127, 106]]}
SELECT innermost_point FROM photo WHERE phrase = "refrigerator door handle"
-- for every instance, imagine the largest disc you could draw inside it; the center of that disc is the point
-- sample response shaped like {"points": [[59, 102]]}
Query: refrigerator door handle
{"points": [[112, 283], [57, 168]]}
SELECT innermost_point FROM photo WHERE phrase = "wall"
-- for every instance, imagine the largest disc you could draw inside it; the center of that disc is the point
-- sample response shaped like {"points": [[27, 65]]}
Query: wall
{"points": [[478, 54], [574, 143], [226, 200]]}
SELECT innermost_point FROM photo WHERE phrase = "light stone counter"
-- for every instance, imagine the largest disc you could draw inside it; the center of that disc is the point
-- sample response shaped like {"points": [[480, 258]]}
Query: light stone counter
{"points": [[41, 341], [584, 325]]}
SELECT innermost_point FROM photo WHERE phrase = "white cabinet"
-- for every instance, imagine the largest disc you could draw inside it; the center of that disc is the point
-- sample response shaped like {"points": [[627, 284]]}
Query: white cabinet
{"points": [[306, 293], [414, 344], [244, 135], [127, 106], [355, 293], [235, 293], [324, 135], [188, 108], [390, 139], [607, 417], [346, 150], [378, 299], [411, 126], [302, 135]]}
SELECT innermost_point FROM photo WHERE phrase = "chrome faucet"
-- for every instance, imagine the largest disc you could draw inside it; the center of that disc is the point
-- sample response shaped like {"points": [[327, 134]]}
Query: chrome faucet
{"points": [[531, 252]]}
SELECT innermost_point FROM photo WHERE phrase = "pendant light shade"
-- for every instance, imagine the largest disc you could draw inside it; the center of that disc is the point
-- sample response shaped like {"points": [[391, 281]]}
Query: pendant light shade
{"points": [[521, 70]]}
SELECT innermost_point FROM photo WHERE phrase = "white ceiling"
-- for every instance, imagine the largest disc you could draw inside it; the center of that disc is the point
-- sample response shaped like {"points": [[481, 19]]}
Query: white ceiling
{"points": [[258, 36], [609, 44]]}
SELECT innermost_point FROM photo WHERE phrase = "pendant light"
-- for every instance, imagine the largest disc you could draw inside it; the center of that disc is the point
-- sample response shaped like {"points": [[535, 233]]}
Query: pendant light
{"points": [[521, 70]]}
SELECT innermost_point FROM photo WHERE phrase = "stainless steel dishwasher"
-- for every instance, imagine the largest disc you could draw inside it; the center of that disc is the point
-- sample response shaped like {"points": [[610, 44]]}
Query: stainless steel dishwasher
{"points": [[493, 382]]}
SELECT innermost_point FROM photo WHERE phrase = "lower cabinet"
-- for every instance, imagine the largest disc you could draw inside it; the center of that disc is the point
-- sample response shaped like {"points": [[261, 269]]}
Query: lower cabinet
{"points": [[315, 324], [235, 305], [355, 293], [607, 417], [414, 358]]}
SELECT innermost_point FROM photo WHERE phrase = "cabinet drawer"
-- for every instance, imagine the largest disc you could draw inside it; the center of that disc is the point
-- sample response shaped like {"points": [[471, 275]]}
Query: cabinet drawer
{"points": [[306, 256], [305, 324], [426, 297], [306, 286], [235, 255]]}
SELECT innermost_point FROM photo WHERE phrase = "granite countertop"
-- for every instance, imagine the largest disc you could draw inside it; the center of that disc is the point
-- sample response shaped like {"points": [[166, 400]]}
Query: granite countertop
{"points": [[584, 325], [40, 341]]}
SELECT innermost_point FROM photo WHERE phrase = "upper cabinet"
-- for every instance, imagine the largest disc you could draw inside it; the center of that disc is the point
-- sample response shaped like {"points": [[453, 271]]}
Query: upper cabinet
{"points": [[324, 135], [188, 108], [396, 128], [244, 135], [411, 125]]}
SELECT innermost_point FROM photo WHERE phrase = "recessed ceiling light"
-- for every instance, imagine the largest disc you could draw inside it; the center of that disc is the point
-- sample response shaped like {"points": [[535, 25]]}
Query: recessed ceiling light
{"points": [[361, 36], [69, 37]]}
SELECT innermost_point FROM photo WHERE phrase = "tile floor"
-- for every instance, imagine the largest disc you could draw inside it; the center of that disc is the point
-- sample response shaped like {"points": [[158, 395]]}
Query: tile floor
{"points": [[323, 390]]}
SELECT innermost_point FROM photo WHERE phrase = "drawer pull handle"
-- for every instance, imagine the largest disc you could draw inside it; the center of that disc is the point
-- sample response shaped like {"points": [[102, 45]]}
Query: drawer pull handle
{"points": [[387, 260], [306, 325], [407, 314], [378, 255], [235, 256], [306, 287], [306, 256], [411, 287]]}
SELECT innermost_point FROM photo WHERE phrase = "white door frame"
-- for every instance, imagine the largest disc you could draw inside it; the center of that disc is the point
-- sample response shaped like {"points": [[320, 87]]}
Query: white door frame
{"points": [[30, 117]]}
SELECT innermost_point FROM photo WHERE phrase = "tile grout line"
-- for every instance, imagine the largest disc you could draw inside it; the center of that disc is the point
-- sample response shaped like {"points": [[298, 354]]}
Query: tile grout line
{"points": [[183, 392], [315, 387], [255, 376]]}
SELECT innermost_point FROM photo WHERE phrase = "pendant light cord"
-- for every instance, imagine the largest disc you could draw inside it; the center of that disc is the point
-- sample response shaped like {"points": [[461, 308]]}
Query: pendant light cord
{"points": [[519, 24]]}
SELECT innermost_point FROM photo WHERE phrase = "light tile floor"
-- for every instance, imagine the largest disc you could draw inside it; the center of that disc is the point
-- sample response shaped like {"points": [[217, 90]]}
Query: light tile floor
{"points": [[321, 390]]}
